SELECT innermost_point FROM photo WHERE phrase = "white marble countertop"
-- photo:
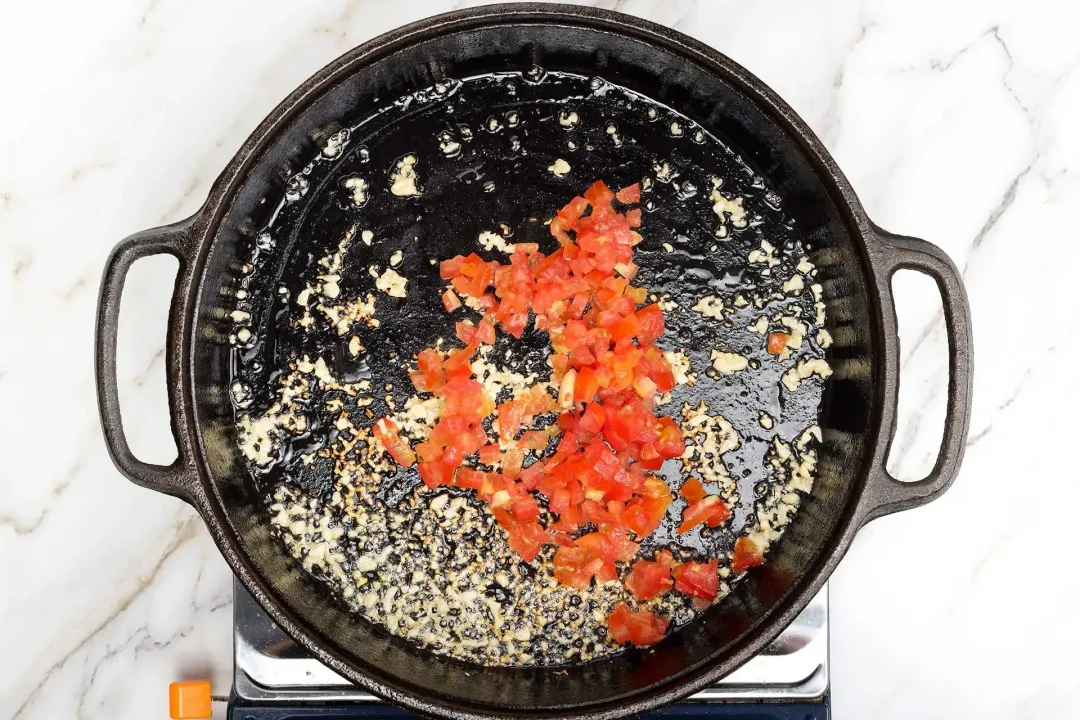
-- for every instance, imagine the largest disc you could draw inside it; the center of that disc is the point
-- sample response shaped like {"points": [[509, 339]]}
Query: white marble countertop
{"points": [[956, 122]]}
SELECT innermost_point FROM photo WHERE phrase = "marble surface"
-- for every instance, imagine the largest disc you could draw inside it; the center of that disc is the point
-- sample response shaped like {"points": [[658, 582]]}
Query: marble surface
{"points": [[955, 122]]}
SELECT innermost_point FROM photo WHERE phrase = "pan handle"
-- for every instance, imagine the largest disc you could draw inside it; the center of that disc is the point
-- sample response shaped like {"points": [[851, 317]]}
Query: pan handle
{"points": [[179, 478], [885, 494]]}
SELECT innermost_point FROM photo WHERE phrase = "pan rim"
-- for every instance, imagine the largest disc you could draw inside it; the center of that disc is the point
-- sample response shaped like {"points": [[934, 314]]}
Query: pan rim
{"points": [[209, 502]]}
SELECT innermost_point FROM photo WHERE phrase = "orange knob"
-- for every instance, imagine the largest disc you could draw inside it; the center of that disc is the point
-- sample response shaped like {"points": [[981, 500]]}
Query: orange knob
{"points": [[189, 700]]}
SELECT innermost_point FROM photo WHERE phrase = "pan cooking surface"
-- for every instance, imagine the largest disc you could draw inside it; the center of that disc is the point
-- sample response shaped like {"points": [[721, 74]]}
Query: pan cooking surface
{"points": [[342, 290]]}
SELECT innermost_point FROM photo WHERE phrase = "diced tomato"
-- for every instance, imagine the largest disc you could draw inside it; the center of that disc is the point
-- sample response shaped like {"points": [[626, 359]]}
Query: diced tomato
{"points": [[573, 210], [469, 478], [388, 433], [451, 268], [485, 332], [747, 555], [645, 512], [777, 342], [698, 580], [490, 454], [708, 509], [592, 420], [527, 538], [586, 385], [465, 331], [649, 578], [669, 440], [609, 374], [640, 628], [432, 473], [532, 439], [512, 462], [450, 300], [692, 490], [569, 567], [525, 508], [511, 415], [651, 323], [599, 195], [629, 194]]}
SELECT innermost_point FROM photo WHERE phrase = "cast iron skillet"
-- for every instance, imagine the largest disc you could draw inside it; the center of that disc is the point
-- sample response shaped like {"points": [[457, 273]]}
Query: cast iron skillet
{"points": [[855, 258]]}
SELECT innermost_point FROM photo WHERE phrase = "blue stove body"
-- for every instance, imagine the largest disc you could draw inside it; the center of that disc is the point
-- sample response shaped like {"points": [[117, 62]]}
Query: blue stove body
{"points": [[274, 679], [684, 711]]}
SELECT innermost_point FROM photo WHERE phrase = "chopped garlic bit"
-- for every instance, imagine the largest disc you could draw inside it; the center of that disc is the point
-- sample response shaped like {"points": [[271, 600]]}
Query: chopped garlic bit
{"points": [[403, 180], [760, 326], [793, 286], [559, 168], [389, 282], [728, 363], [796, 333], [710, 306], [727, 208], [358, 190], [765, 256], [708, 438], [765, 419], [493, 241], [664, 173], [568, 118], [335, 143], [803, 370], [448, 145]]}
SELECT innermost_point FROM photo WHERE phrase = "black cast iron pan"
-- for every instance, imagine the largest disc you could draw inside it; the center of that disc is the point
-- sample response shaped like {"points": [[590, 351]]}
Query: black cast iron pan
{"points": [[776, 158]]}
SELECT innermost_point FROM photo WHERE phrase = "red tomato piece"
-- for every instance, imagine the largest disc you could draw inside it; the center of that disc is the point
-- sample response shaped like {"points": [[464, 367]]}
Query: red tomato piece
{"points": [[629, 194], [746, 555], [490, 454], [692, 490], [465, 331], [569, 567], [532, 439], [640, 628], [592, 420], [599, 194], [651, 323], [450, 300], [527, 539], [648, 578], [469, 478], [512, 462], [451, 268], [777, 342], [698, 580], [572, 211], [388, 433], [485, 333], [511, 415], [669, 439], [702, 511]]}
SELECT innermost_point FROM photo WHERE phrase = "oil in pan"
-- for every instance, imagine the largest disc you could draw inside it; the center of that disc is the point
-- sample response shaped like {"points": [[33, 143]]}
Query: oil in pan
{"points": [[342, 289]]}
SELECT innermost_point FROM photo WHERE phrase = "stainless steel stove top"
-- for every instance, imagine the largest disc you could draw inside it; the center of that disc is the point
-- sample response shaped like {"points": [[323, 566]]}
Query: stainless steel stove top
{"points": [[269, 667]]}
